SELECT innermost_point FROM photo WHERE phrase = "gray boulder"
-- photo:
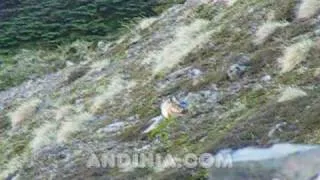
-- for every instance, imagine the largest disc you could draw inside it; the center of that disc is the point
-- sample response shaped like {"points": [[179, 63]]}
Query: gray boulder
{"points": [[236, 71], [280, 161]]}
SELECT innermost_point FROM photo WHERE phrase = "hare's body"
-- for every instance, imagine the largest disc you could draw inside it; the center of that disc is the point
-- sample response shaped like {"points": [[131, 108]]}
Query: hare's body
{"points": [[170, 107]]}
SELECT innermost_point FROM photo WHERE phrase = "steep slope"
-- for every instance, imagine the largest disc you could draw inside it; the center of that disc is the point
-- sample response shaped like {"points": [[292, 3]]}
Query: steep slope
{"points": [[243, 80]]}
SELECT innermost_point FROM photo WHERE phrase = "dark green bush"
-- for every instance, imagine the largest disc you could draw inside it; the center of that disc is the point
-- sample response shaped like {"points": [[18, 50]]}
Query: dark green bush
{"points": [[54, 22]]}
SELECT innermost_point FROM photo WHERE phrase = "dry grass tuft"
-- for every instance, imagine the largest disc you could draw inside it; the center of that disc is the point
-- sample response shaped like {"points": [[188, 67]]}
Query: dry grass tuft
{"points": [[116, 86], [294, 55], [291, 94], [63, 112], [186, 39], [76, 51], [24, 112], [316, 72], [58, 132], [231, 2], [44, 135], [99, 65], [146, 23], [72, 125], [308, 8], [12, 166], [267, 29]]}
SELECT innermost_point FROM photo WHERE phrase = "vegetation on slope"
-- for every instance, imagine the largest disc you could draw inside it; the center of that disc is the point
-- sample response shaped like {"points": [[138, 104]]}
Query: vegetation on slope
{"points": [[124, 85], [51, 25], [54, 22]]}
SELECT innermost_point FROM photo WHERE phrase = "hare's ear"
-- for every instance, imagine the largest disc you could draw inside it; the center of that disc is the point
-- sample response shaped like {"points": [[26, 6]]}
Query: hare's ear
{"points": [[167, 100], [174, 100]]}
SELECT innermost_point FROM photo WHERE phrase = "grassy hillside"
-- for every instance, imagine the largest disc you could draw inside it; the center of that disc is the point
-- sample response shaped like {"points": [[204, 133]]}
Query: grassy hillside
{"points": [[53, 22], [94, 98]]}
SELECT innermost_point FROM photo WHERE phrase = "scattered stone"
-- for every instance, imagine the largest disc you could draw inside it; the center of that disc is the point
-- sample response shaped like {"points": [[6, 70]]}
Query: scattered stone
{"points": [[242, 60], [76, 74], [202, 101], [79, 101], [236, 71], [114, 127], [280, 161], [257, 87], [194, 73], [101, 45], [240, 64], [69, 63], [187, 73], [193, 3], [179, 73], [266, 78], [144, 148], [13, 176], [133, 118]]}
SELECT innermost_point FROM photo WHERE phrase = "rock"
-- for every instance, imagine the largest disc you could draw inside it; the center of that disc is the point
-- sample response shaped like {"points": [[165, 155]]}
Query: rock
{"points": [[280, 161], [266, 78], [76, 73], [193, 3], [194, 73], [256, 87], [234, 88], [225, 2], [101, 44], [1, 107], [189, 72], [242, 60], [13, 176], [114, 127], [236, 71], [179, 73], [79, 101], [133, 118], [69, 63], [317, 31], [202, 101]]}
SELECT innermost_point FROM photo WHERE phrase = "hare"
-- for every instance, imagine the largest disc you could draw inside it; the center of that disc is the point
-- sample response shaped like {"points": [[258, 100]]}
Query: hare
{"points": [[171, 107]]}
